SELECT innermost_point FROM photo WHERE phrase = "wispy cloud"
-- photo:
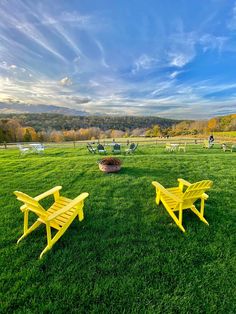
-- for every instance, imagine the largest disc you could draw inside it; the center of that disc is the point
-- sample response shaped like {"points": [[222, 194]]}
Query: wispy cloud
{"points": [[144, 62], [179, 59], [232, 21], [102, 51], [41, 28], [162, 87], [69, 17], [174, 74], [66, 81], [181, 48], [30, 32], [209, 41]]}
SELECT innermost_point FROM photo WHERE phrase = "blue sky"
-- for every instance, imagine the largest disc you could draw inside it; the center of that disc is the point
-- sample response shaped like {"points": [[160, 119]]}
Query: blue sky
{"points": [[174, 59]]}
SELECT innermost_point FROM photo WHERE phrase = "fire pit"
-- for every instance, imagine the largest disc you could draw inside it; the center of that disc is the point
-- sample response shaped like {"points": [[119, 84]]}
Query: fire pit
{"points": [[109, 164]]}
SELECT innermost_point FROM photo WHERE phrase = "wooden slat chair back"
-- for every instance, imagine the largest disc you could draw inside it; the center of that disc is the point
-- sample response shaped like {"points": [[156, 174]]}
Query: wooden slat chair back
{"points": [[30, 204], [184, 196], [91, 149], [116, 149], [195, 191], [101, 149], [59, 216], [132, 148]]}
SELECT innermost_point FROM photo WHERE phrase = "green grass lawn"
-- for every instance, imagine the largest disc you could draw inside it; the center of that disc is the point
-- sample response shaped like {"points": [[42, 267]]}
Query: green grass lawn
{"points": [[127, 255]]}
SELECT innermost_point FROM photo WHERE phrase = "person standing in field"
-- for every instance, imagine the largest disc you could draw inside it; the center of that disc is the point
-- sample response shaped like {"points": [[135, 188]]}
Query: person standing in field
{"points": [[211, 140]]}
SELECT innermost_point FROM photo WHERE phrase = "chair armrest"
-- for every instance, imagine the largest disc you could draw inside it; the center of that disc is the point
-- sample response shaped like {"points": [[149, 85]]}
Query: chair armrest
{"points": [[73, 203], [167, 193], [49, 192], [184, 182], [204, 196], [23, 208]]}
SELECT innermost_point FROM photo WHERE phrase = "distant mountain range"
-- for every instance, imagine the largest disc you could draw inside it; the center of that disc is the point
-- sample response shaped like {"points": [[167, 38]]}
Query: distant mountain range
{"points": [[17, 107]]}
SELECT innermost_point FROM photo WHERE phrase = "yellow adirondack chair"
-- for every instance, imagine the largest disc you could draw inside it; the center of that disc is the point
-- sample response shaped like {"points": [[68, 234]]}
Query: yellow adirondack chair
{"points": [[59, 216], [183, 197]]}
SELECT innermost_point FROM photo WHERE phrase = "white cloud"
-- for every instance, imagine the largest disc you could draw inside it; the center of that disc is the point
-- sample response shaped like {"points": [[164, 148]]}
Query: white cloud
{"points": [[13, 70], [28, 30], [174, 74], [181, 48], [79, 99], [58, 27], [66, 81], [179, 59], [162, 87], [75, 17], [102, 51], [144, 62], [170, 99], [93, 83], [232, 22], [209, 41]]}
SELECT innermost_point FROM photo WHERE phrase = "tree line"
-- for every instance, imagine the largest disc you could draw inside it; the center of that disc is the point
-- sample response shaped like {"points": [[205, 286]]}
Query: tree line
{"points": [[32, 128], [58, 122]]}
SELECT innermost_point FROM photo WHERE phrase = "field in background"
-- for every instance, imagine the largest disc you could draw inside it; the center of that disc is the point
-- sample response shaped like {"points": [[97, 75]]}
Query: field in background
{"points": [[219, 139], [226, 134], [127, 256]]}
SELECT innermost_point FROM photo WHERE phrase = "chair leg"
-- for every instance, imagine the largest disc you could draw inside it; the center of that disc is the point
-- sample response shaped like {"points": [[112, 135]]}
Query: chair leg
{"points": [[81, 214], [176, 220], [49, 241], [199, 214], [158, 194], [52, 241], [47, 248], [180, 216], [28, 231]]}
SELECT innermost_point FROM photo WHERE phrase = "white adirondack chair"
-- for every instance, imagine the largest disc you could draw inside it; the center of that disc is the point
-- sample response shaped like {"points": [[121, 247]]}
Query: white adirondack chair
{"points": [[23, 150]]}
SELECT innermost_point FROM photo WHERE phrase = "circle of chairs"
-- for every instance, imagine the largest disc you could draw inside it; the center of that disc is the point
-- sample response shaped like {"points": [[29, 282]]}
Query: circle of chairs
{"points": [[115, 148]]}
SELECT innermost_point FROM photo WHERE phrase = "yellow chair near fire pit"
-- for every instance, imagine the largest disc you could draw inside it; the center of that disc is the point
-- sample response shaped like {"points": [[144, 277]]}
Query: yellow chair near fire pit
{"points": [[183, 197], [59, 216]]}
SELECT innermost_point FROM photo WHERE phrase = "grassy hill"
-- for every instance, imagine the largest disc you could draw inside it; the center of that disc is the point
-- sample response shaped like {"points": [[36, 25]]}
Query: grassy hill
{"points": [[127, 256]]}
